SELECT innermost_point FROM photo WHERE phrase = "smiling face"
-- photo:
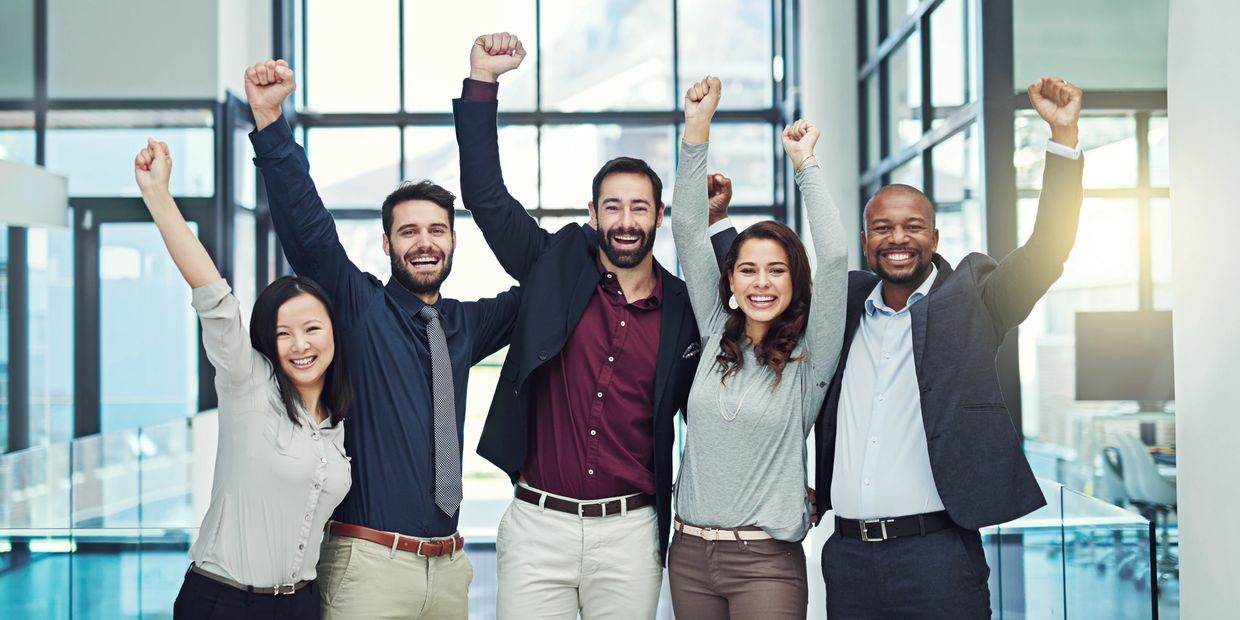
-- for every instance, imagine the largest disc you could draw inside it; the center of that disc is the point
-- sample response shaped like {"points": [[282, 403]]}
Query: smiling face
{"points": [[420, 244], [900, 238], [626, 217], [304, 341], [761, 280]]}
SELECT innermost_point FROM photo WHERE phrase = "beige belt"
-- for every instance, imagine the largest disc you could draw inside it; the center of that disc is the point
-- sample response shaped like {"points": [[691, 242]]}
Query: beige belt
{"points": [[714, 533]]}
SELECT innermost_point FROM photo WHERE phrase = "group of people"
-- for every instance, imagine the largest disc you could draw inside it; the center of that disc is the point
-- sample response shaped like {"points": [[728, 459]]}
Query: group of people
{"points": [[338, 476]]}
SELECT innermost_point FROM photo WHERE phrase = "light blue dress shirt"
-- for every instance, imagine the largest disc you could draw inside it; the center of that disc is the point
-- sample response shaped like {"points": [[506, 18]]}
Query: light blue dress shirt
{"points": [[882, 460]]}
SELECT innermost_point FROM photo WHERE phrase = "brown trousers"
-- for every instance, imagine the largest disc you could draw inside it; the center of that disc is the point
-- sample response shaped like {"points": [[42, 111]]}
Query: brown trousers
{"points": [[762, 579]]}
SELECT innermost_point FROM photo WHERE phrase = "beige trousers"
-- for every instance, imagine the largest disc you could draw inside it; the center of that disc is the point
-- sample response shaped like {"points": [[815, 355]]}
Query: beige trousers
{"points": [[554, 565], [361, 579]]}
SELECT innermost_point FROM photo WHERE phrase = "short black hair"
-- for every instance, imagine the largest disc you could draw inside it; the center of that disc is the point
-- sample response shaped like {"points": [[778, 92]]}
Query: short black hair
{"points": [[419, 190], [628, 164], [901, 189]]}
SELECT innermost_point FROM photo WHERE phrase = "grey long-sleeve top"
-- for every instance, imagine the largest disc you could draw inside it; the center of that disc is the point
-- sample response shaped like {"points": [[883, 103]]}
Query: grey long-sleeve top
{"points": [[750, 470], [276, 483]]}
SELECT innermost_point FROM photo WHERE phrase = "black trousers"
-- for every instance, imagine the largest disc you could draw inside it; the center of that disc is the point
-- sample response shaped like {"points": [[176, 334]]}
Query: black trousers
{"points": [[202, 598], [940, 575]]}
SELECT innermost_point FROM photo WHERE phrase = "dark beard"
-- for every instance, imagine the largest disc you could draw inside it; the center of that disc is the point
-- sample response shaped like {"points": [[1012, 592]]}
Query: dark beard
{"points": [[629, 258], [419, 285]]}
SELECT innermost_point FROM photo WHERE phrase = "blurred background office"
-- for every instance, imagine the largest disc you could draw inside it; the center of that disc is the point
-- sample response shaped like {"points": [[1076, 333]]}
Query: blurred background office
{"points": [[106, 400]]}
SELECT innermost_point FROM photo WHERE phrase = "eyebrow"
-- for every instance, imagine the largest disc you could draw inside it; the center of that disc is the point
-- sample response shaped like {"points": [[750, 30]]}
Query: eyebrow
{"points": [[617, 199], [770, 264]]}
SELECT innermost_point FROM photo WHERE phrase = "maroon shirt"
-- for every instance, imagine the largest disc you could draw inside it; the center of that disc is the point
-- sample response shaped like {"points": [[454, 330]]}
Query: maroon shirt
{"points": [[592, 432]]}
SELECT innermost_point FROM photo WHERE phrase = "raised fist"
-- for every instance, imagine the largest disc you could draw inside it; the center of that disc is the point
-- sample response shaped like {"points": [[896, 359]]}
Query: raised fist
{"points": [[719, 193], [494, 55], [702, 99], [799, 139], [1059, 104], [268, 84], [152, 168]]}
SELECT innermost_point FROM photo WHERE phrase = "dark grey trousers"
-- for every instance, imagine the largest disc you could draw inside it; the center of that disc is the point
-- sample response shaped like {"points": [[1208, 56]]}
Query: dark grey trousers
{"points": [[940, 575]]}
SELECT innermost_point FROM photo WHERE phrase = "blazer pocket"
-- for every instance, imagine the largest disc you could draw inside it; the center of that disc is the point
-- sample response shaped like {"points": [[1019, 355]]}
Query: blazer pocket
{"points": [[985, 407]]}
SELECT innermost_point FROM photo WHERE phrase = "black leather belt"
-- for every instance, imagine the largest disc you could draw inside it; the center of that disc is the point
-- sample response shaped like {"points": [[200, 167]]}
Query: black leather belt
{"points": [[584, 509], [284, 588], [878, 530]]}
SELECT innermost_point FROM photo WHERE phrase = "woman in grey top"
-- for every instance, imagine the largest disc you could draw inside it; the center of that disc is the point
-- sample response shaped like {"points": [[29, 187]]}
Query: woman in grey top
{"points": [[769, 350], [280, 467]]}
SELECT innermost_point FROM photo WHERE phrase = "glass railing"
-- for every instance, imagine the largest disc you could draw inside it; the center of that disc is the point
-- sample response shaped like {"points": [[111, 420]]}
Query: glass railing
{"points": [[1076, 557], [100, 527]]}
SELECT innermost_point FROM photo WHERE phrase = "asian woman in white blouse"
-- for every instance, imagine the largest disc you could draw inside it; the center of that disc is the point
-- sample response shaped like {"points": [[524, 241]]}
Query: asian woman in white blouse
{"points": [[280, 466]]}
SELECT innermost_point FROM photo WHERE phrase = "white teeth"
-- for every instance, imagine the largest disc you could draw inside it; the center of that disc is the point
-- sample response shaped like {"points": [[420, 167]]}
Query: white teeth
{"points": [[302, 363], [761, 300]]}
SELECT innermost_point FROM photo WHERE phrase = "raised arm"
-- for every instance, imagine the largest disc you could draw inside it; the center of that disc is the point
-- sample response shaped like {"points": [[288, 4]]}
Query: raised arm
{"points": [[223, 334], [824, 331], [306, 230], [1024, 276], [691, 207], [514, 236]]}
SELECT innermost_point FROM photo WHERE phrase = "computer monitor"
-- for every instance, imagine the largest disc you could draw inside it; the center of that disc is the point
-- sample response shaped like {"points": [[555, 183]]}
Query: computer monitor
{"points": [[1125, 356]]}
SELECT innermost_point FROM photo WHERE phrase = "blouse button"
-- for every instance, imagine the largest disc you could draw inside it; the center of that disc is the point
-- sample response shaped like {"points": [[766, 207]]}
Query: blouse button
{"points": [[301, 547], [317, 486], [323, 460], [314, 435]]}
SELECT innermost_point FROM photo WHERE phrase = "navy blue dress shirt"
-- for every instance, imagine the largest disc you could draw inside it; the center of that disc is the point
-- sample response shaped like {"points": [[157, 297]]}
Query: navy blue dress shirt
{"points": [[389, 429]]}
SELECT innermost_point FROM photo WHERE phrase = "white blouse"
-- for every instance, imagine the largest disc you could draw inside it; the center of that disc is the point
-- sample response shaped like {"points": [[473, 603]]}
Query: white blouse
{"points": [[276, 483]]}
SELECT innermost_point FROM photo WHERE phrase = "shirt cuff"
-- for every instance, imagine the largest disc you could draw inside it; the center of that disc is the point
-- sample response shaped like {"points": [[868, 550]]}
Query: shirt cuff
{"points": [[719, 227], [271, 138], [1055, 148], [477, 90]]}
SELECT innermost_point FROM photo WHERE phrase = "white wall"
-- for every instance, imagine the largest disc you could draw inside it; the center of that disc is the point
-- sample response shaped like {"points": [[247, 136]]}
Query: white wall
{"points": [[17, 48], [1202, 65]]}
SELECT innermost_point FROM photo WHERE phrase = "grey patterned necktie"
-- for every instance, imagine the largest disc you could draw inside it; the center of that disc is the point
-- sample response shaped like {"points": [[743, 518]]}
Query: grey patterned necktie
{"points": [[447, 445]]}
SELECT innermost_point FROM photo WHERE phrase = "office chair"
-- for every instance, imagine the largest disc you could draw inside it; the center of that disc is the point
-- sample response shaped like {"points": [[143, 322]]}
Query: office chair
{"points": [[1149, 492]]}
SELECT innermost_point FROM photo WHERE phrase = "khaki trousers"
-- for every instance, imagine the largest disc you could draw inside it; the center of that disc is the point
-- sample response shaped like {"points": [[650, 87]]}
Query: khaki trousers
{"points": [[361, 579], [553, 565]]}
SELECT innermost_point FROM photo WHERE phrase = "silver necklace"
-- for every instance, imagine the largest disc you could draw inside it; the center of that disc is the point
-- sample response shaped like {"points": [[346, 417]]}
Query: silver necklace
{"points": [[723, 410]]}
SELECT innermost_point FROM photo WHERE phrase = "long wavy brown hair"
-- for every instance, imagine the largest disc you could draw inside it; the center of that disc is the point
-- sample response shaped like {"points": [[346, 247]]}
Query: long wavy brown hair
{"points": [[785, 331]]}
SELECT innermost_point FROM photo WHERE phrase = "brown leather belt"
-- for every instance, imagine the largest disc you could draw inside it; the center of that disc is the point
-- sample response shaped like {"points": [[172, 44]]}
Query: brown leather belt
{"points": [[282, 589], [584, 509], [431, 548]]}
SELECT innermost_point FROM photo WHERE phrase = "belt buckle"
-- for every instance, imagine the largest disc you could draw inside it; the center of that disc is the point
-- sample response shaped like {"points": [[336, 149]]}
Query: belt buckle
{"points": [[279, 589], [865, 533], [581, 506], [419, 549], [710, 533]]}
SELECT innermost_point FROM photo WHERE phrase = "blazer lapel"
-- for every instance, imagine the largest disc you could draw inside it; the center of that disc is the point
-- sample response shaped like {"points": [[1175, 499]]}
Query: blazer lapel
{"points": [[920, 313], [671, 318]]}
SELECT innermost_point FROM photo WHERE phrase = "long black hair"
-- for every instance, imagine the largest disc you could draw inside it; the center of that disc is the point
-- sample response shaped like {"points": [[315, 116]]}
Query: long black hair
{"points": [[337, 390]]}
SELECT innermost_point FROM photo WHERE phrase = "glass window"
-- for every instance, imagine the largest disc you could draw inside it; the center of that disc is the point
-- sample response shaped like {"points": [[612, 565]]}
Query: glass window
{"points": [[1101, 274], [475, 271], [957, 196], [431, 153], [873, 122], [744, 153], [4, 339], [572, 154], [352, 56], [245, 173], [362, 239], [1159, 152], [898, 11], [909, 173], [17, 136], [1109, 144], [904, 94], [608, 56], [49, 256], [951, 48], [1160, 252], [245, 260], [17, 49], [438, 36], [709, 47], [95, 149], [143, 384], [871, 26], [354, 168]]}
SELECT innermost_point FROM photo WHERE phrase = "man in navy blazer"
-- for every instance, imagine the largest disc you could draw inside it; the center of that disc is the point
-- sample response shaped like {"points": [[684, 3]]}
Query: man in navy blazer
{"points": [[916, 449]]}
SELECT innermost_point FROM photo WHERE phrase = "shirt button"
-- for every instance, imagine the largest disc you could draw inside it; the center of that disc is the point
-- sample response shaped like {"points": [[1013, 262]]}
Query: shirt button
{"points": [[593, 432], [621, 323], [590, 471], [600, 394], [609, 276], [301, 547], [307, 517], [317, 486], [886, 356], [874, 440], [867, 482], [880, 397], [610, 358], [324, 459]]}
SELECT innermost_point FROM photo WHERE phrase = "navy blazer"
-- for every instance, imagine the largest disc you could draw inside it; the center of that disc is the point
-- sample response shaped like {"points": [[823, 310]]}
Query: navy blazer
{"points": [[558, 274], [976, 456]]}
